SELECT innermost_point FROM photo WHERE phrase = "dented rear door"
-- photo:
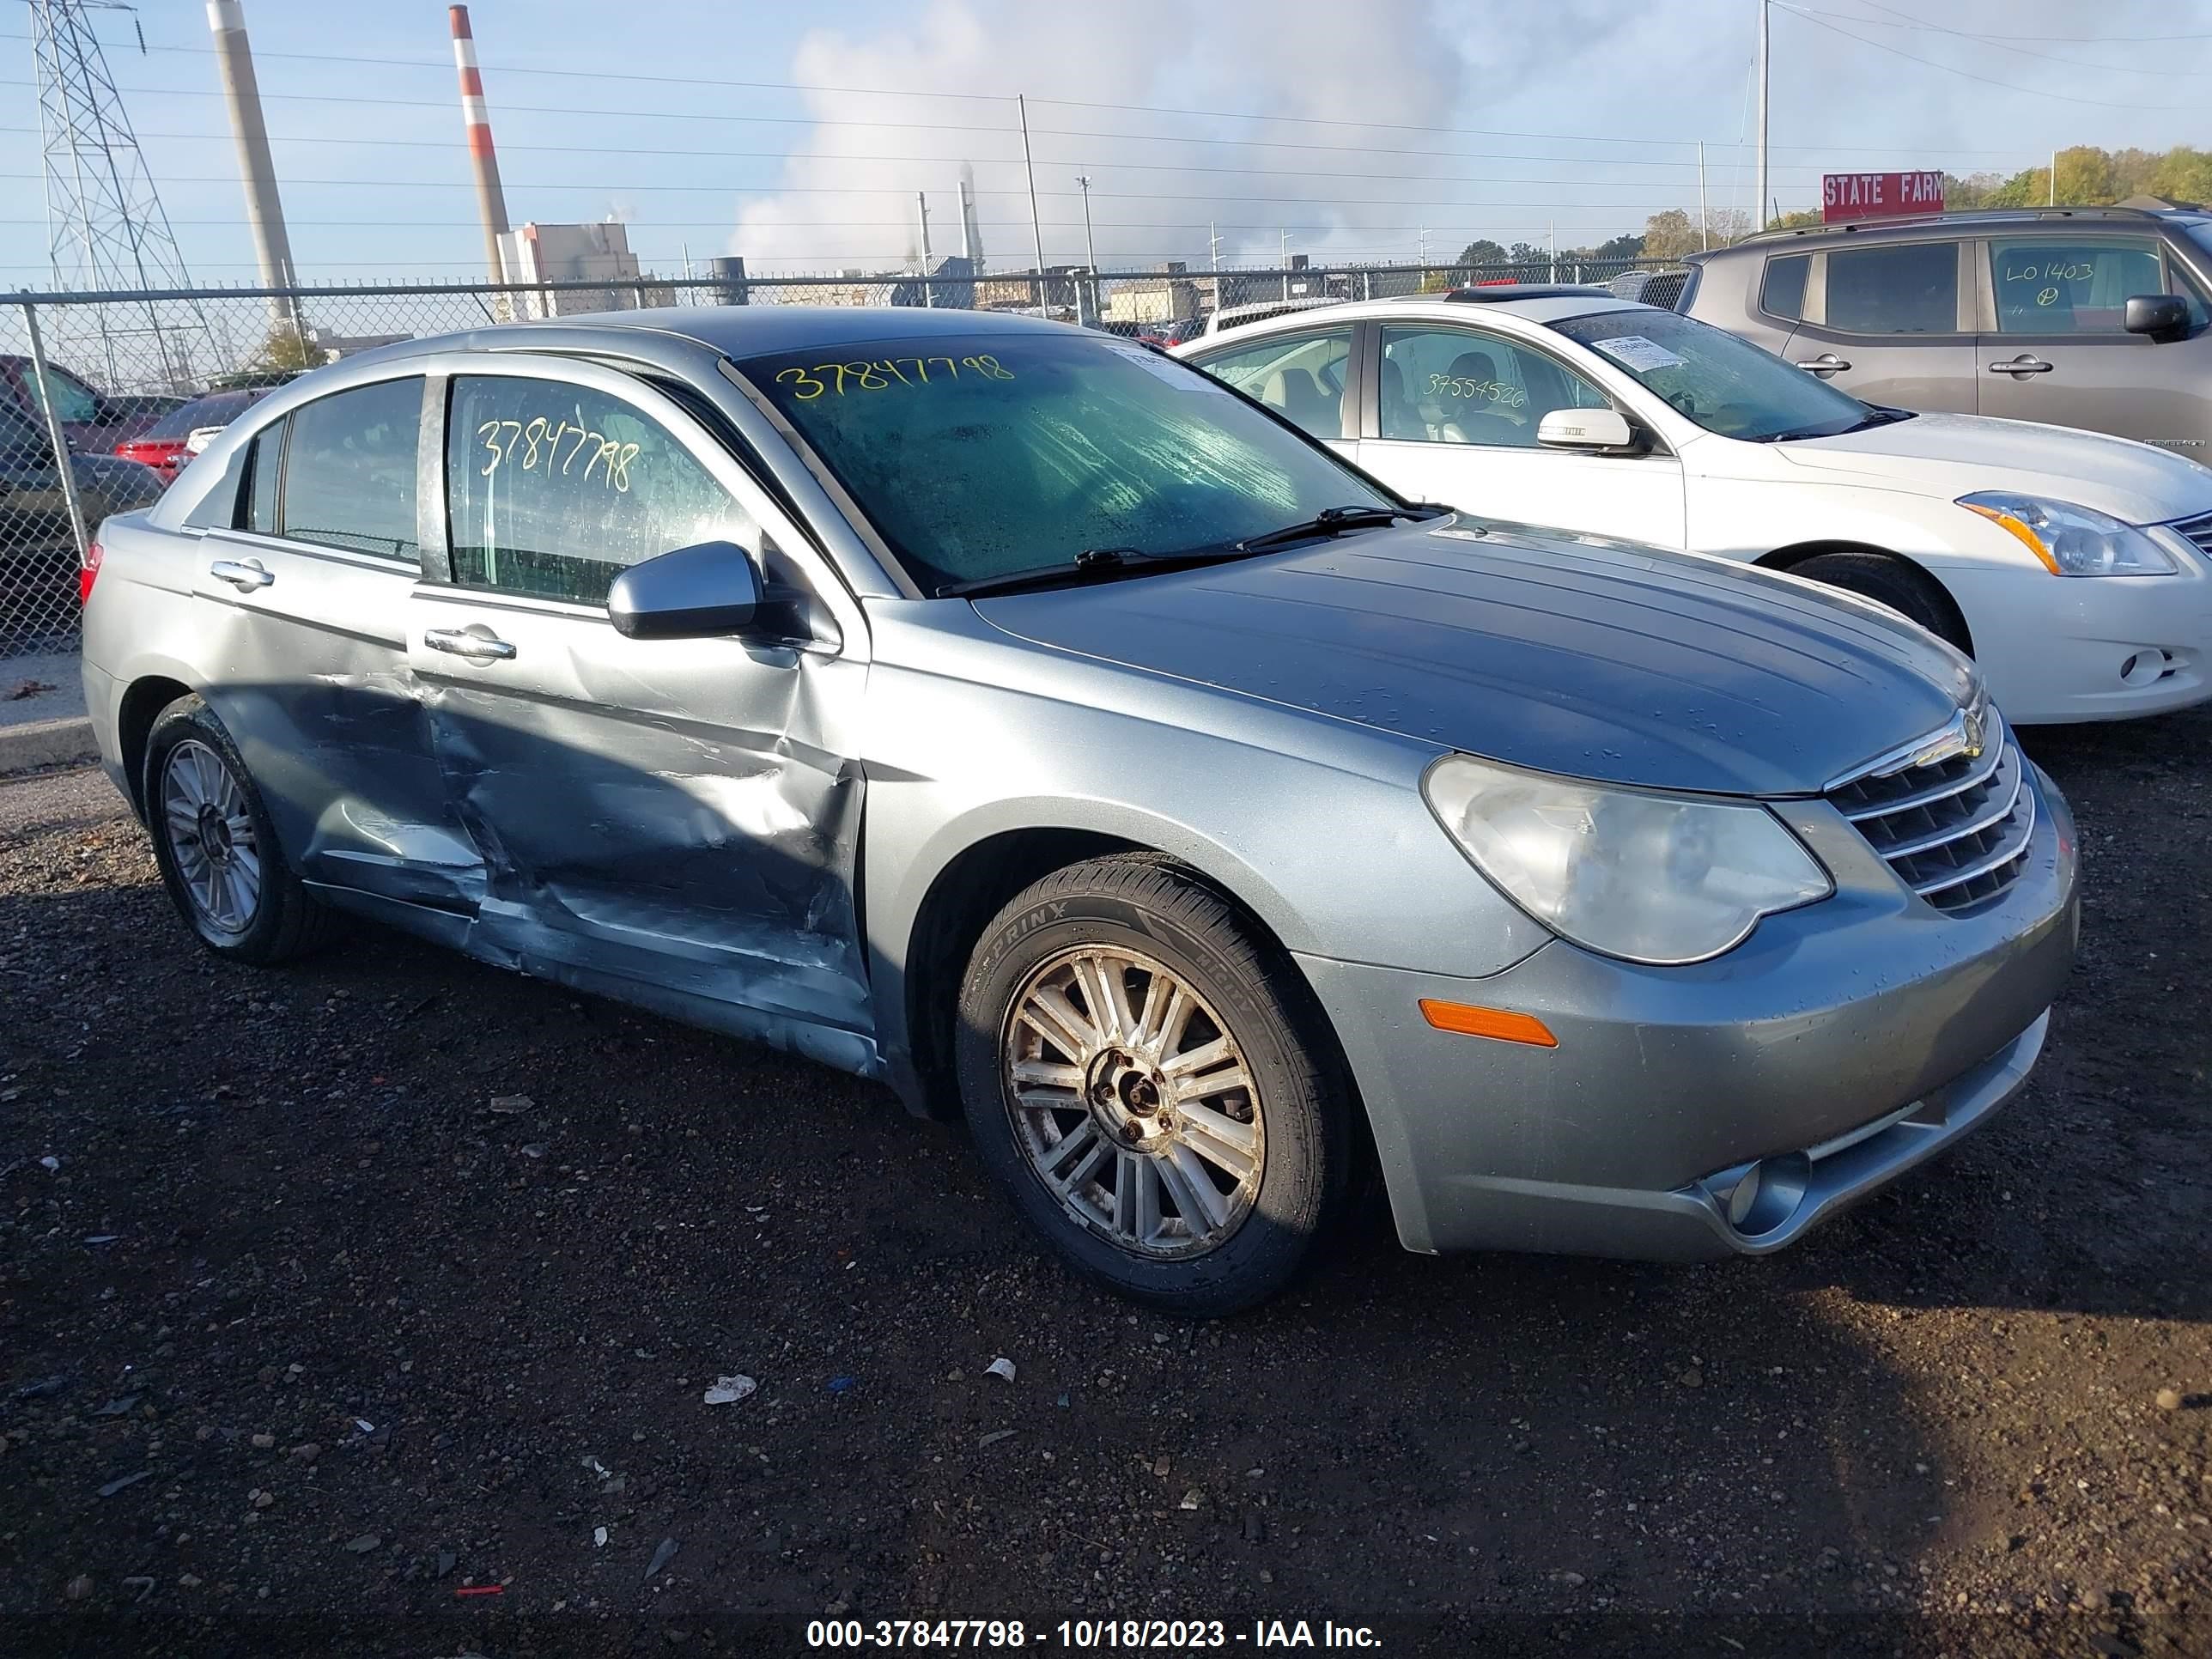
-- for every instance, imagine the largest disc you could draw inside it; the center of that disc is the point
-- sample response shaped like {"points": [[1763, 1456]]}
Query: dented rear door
{"points": [[673, 822]]}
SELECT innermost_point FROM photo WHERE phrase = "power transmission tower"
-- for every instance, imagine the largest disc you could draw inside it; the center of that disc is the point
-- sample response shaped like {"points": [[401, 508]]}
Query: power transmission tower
{"points": [[106, 228]]}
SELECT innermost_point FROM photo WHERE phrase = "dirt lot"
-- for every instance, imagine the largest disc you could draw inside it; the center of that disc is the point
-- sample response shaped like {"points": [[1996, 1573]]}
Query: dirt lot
{"points": [[374, 1341]]}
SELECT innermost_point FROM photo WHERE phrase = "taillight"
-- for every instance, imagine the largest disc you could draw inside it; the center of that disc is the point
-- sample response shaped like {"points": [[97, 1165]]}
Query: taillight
{"points": [[87, 574]]}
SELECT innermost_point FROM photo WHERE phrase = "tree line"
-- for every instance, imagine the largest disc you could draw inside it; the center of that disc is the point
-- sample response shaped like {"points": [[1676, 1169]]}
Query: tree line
{"points": [[2087, 177]]}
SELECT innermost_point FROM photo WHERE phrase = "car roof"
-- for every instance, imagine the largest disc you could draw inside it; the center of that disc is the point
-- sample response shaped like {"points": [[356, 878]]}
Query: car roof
{"points": [[1923, 225], [734, 332], [1547, 305]]}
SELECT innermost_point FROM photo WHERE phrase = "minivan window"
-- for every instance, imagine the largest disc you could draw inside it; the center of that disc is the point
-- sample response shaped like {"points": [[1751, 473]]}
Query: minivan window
{"points": [[1726, 385], [1782, 293], [349, 470], [2075, 286], [978, 456], [1910, 288]]}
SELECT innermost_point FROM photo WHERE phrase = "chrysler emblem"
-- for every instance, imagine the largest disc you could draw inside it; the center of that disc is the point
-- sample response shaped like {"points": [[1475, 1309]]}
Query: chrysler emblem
{"points": [[1970, 735]]}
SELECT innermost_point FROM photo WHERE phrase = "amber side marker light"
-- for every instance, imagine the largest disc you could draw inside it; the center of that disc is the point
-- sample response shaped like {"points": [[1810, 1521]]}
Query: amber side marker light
{"points": [[1469, 1020]]}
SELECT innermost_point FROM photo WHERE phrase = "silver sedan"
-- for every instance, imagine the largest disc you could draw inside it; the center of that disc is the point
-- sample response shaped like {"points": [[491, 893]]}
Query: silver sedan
{"points": [[1013, 715]]}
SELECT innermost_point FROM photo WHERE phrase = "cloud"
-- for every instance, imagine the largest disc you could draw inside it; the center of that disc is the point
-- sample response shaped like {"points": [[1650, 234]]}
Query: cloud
{"points": [[847, 195]]}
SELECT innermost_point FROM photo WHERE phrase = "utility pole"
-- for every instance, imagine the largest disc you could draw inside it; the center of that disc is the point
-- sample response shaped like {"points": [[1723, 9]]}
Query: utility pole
{"points": [[1552, 241], [265, 212], [1764, 66], [1704, 222], [922, 216], [1090, 252], [2054, 187], [1036, 224], [1213, 253], [1286, 263]]}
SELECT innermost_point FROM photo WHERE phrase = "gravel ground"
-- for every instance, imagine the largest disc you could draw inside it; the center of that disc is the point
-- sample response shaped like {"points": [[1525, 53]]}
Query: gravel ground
{"points": [[391, 1278]]}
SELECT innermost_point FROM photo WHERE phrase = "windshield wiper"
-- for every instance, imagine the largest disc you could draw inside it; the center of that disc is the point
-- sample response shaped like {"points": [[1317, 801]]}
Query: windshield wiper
{"points": [[1874, 417], [1092, 564], [1331, 521]]}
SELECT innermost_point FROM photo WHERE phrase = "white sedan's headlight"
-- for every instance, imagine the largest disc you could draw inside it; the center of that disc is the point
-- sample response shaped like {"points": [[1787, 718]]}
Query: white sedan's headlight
{"points": [[1653, 879], [2073, 541]]}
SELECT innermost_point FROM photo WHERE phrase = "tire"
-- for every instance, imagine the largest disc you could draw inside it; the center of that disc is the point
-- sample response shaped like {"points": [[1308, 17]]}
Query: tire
{"points": [[1901, 586], [1126, 1126], [217, 846]]}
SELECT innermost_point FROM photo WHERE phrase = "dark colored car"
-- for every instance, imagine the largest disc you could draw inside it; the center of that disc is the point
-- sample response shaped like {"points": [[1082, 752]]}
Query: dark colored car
{"points": [[93, 420], [2097, 318], [166, 445]]}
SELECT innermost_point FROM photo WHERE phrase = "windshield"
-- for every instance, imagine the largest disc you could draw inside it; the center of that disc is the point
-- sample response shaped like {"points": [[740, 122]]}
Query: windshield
{"points": [[2201, 233], [217, 409], [1004, 452], [1725, 385]]}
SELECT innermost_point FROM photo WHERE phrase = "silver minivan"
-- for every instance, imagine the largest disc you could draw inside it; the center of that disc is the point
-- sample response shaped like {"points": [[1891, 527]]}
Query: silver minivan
{"points": [[2096, 317]]}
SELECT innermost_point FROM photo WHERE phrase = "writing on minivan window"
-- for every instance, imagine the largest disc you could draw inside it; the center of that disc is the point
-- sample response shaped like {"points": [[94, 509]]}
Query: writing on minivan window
{"points": [[541, 440], [885, 372]]}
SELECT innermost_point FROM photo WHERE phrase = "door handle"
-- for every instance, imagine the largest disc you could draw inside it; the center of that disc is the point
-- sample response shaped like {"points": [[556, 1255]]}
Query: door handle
{"points": [[1826, 364], [2021, 365], [469, 643], [244, 575]]}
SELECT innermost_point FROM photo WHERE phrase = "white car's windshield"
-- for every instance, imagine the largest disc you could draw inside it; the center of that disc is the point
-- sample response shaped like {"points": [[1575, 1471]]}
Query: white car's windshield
{"points": [[1725, 385], [980, 457]]}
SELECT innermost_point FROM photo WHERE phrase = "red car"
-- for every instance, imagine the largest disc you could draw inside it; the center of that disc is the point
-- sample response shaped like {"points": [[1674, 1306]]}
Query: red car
{"points": [[170, 441]]}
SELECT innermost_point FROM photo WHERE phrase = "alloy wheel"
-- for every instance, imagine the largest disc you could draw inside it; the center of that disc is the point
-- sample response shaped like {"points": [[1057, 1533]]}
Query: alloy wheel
{"points": [[1131, 1102], [210, 833]]}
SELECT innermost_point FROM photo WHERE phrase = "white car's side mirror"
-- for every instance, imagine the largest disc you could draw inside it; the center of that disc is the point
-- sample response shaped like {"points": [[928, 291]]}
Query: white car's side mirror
{"points": [[1586, 428]]}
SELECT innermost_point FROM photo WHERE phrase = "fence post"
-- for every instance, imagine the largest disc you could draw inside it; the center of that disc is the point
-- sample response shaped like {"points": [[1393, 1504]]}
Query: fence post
{"points": [[55, 435]]}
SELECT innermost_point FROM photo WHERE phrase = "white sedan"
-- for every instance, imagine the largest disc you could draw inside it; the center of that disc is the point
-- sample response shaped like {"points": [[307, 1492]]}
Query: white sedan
{"points": [[2077, 568]]}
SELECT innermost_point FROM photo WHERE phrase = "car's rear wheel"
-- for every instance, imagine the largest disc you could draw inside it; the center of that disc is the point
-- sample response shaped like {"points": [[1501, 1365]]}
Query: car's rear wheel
{"points": [[1905, 588], [215, 845], [1157, 1107]]}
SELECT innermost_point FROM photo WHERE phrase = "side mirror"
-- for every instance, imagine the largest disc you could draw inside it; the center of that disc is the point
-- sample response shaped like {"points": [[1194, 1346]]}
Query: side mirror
{"points": [[697, 593], [2161, 316], [1586, 428]]}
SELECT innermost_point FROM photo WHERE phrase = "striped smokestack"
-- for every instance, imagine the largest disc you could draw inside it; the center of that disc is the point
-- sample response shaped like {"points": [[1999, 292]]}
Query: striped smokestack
{"points": [[491, 201]]}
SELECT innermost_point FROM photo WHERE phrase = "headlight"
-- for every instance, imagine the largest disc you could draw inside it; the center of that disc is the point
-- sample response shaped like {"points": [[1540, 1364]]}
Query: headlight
{"points": [[2073, 541], [1653, 879]]}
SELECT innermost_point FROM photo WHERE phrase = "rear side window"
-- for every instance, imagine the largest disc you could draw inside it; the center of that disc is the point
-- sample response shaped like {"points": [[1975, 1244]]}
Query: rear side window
{"points": [[1782, 293], [1301, 377], [349, 470], [1910, 289], [262, 471], [555, 488]]}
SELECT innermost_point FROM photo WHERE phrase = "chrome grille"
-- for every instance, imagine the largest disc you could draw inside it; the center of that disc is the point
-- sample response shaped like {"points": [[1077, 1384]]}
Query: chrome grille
{"points": [[2199, 532], [1956, 829]]}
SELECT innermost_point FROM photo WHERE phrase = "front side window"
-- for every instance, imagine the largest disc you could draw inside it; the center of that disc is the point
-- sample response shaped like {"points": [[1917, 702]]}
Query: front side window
{"points": [[349, 470], [1301, 377], [1910, 288], [2074, 285], [1781, 292], [553, 489], [978, 456], [1452, 386], [1725, 384], [74, 403]]}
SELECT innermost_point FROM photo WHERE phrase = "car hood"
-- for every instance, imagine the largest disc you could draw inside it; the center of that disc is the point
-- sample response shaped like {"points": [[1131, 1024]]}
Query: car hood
{"points": [[1954, 455], [1568, 654]]}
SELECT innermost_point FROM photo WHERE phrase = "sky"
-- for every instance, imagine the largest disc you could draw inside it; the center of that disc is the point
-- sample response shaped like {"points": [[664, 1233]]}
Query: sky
{"points": [[798, 135]]}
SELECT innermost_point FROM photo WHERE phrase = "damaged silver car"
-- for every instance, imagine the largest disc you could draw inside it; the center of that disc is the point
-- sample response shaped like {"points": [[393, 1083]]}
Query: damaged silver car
{"points": [[1010, 714]]}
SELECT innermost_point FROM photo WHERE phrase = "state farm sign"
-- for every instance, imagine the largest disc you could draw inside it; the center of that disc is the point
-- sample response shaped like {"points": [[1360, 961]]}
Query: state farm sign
{"points": [[1879, 194]]}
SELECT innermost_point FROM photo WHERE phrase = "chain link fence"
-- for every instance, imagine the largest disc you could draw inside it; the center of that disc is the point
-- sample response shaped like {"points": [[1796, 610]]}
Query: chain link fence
{"points": [[104, 398]]}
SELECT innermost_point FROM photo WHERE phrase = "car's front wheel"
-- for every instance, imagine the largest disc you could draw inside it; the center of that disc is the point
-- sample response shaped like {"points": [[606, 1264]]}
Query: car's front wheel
{"points": [[1905, 588], [1136, 1074], [215, 845]]}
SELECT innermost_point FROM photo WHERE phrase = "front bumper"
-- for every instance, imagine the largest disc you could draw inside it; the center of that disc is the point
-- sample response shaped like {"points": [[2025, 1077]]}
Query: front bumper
{"points": [[1840, 1045], [2067, 648]]}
